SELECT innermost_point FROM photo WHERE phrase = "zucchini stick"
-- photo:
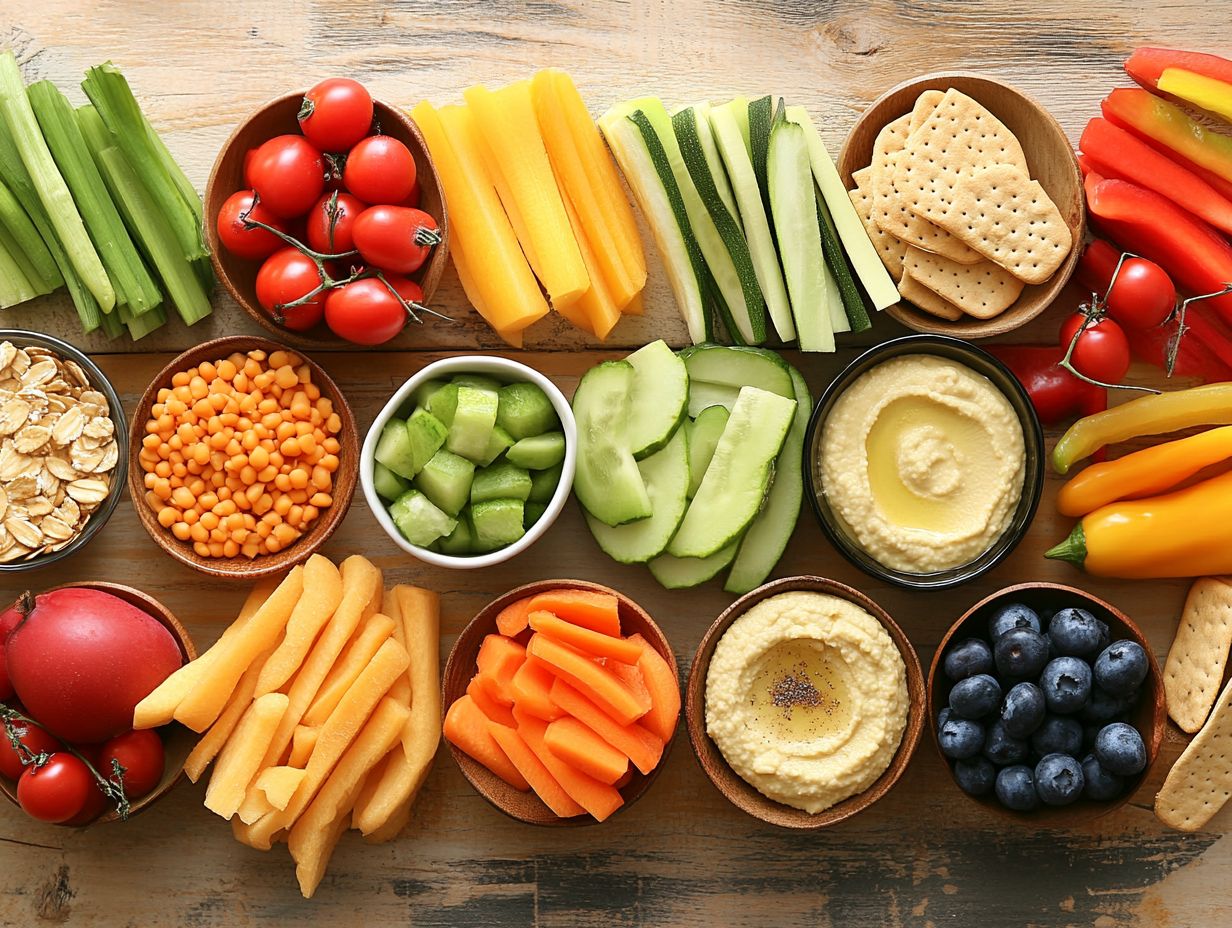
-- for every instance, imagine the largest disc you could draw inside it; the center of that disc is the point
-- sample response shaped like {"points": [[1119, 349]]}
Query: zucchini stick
{"points": [[40, 265], [15, 286]]}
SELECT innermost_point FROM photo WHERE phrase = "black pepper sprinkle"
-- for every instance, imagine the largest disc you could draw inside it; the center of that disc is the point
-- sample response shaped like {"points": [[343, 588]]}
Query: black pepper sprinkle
{"points": [[795, 689]]}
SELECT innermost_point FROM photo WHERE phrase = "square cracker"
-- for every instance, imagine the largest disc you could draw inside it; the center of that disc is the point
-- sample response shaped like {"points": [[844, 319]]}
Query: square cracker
{"points": [[1194, 669], [925, 103], [889, 249], [981, 290], [921, 297], [1200, 781], [1008, 218]]}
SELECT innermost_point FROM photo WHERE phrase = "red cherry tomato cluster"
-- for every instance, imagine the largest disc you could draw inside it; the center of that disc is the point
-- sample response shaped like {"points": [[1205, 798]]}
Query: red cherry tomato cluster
{"points": [[355, 194]]}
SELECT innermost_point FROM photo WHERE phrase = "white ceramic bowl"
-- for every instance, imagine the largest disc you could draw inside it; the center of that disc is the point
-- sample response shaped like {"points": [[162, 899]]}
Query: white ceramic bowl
{"points": [[506, 371]]}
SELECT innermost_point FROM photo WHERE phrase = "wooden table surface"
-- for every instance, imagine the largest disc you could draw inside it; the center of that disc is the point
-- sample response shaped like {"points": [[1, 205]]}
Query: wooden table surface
{"points": [[682, 856]]}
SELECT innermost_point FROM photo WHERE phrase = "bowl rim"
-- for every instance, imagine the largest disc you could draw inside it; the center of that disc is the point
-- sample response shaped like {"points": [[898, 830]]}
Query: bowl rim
{"points": [[973, 357], [119, 473], [743, 795], [233, 568], [483, 364], [485, 619], [1153, 739]]}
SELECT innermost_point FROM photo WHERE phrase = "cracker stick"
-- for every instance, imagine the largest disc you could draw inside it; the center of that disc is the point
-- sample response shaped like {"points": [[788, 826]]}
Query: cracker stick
{"points": [[237, 764], [1199, 652], [1200, 781], [322, 594], [354, 659]]}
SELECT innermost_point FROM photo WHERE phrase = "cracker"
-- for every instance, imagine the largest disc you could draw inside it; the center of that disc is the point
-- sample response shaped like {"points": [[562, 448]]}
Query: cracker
{"points": [[1200, 781], [894, 218], [981, 290], [889, 249], [1008, 218], [921, 297], [889, 142], [1199, 652], [925, 103]]}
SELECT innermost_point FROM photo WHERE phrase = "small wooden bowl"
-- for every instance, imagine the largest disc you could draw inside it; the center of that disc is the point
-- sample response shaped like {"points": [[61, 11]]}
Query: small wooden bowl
{"points": [[1050, 158], [277, 117], [178, 741], [745, 796], [1150, 716], [241, 568], [460, 668]]}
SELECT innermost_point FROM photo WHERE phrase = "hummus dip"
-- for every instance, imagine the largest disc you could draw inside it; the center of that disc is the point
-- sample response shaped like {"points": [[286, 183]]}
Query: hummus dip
{"points": [[806, 698], [922, 459]]}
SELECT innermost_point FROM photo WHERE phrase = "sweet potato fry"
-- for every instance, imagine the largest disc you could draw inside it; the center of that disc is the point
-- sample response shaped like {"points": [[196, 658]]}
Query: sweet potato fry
{"points": [[279, 784], [401, 690], [238, 762], [322, 594], [213, 740], [312, 870], [303, 740], [354, 659], [392, 828]]}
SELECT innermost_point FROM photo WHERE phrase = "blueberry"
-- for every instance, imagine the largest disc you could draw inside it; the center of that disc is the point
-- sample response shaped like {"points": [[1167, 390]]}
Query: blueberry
{"points": [[1016, 788], [975, 776], [1121, 667], [1058, 779], [1090, 731], [1023, 709], [975, 697], [968, 658], [1066, 682], [1021, 652], [1103, 707], [1077, 633], [1119, 749], [1002, 748], [1058, 735], [1013, 615], [1100, 784], [943, 716], [960, 738]]}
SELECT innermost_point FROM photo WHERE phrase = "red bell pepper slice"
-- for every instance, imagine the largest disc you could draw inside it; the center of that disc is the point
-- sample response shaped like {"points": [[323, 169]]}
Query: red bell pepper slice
{"points": [[1146, 65], [1147, 115]]}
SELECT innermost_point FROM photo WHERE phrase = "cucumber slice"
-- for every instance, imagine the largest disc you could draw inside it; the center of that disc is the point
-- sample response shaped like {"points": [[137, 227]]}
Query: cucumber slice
{"points": [[682, 573], [420, 522], [423, 393], [767, 538], [794, 211], [855, 316], [645, 167], [860, 250], [733, 147], [473, 419], [478, 382], [761, 118], [703, 395], [660, 398], [543, 483], [704, 434], [666, 475], [461, 541], [737, 367], [406, 446], [607, 481], [442, 403], [497, 523], [525, 410], [446, 481], [538, 452], [734, 487], [499, 442], [500, 481], [387, 484]]}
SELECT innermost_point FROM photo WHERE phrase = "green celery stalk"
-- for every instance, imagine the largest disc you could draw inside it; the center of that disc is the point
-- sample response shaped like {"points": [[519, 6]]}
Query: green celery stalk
{"points": [[132, 282], [15, 286], [40, 263], [53, 192], [113, 325], [145, 219], [111, 96], [141, 326]]}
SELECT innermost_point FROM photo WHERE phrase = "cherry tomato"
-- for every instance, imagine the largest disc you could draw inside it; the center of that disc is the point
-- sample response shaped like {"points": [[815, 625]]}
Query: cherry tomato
{"points": [[248, 242], [331, 221], [1102, 352], [96, 804], [336, 114], [288, 173], [1143, 296], [286, 276], [412, 199], [38, 740], [366, 313], [380, 169], [57, 791], [395, 238], [140, 753]]}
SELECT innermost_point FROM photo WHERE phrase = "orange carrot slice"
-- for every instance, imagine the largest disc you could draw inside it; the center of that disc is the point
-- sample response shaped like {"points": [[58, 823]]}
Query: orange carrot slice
{"points": [[499, 658], [511, 620], [530, 687], [599, 799], [598, 683], [538, 776], [599, 612], [593, 643], [664, 690], [635, 741], [477, 691], [466, 727], [580, 747]]}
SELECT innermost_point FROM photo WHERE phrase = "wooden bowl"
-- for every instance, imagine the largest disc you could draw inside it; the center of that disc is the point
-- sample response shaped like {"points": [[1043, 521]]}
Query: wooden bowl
{"points": [[178, 741], [277, 117], [241, 568], [460, 668], [1150, 716], [1050, 158], [743, 795]]}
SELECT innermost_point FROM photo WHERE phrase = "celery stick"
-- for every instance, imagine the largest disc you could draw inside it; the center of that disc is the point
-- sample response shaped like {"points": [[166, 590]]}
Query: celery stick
{"points": [[53, 192], [111, 96], [133, 283], [33, 283], [40, 264], [15, 286], [113, 325], [141, 326]]}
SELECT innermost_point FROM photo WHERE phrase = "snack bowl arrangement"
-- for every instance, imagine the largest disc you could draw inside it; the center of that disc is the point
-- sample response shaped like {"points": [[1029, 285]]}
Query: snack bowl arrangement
{"points": [[459, 674], [94, 380], [742, 794], [1148, 715], [279, 117], [436, 444], [177, 740], [239, 566], [1050, 159], [988, 371]]}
